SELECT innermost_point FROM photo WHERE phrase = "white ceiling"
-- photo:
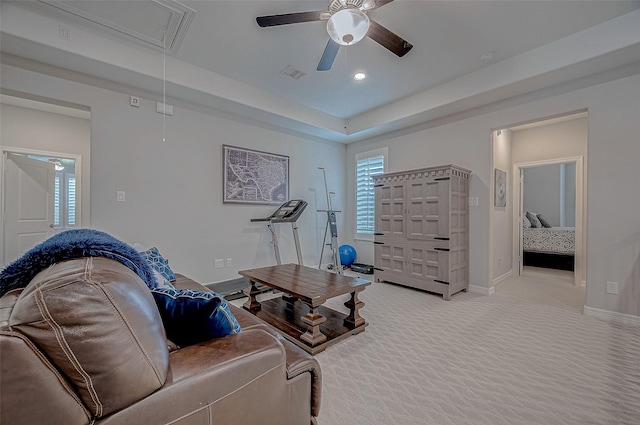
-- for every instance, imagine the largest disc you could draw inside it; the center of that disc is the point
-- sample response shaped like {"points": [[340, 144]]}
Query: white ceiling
{"points": [[226, 61]]}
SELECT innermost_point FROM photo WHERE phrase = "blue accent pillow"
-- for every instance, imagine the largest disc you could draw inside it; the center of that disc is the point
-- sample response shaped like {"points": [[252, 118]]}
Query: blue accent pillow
{"points": [[158, 262], [192, 316]]}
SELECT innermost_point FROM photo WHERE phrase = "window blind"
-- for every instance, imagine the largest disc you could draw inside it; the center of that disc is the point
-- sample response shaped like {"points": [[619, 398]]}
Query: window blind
{"points": [[56, 202], [365, 195], [71, 201]]}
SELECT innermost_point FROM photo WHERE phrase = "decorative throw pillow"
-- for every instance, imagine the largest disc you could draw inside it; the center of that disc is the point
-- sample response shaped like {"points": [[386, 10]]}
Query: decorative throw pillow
{"points": [[535, 223], [192, 316], [525, 222], [161, 281], [543, 221], [157, 261]]}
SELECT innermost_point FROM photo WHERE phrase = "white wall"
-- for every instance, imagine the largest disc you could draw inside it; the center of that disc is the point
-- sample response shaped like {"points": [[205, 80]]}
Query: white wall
{"points": [[174, 189], [52, 133], [557, 140], [551, 190], [541, 191], [502, 217], [613, 230]]}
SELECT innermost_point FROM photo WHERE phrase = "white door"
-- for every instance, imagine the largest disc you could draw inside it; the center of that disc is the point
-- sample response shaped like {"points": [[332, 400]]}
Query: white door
{"points": [[29, 194], [520, 218]]}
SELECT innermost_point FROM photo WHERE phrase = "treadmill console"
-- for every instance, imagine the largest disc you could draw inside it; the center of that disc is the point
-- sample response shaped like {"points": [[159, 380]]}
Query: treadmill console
{"points": [[290, 211]]}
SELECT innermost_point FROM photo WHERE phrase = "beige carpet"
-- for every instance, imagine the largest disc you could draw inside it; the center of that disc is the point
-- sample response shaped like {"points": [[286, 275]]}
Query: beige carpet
{"points": [[526, 355]]}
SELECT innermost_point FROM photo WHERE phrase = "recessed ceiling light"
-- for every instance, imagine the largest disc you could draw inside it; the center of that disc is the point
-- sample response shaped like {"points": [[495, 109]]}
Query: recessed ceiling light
{"points": [[359, 76]]}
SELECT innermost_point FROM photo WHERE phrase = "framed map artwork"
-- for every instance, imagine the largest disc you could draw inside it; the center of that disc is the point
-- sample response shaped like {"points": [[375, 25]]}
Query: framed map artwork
{"points": [[254, 177]]}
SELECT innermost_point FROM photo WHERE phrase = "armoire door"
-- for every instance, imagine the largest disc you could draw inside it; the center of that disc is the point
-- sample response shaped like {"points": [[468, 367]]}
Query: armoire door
{"points": [[428, 208], [390, 210]]}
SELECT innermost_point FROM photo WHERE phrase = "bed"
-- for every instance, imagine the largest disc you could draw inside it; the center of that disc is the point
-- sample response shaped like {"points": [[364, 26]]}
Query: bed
{"points": [[551, 247]]}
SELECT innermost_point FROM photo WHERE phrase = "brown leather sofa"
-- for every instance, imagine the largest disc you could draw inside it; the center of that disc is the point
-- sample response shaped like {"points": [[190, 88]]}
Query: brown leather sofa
{"points": [[83, 343]]}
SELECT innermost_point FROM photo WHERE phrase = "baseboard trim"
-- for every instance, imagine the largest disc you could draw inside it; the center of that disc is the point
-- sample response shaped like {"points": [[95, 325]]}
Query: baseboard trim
{"points": [[611, 316], [475, 289], [499, 279]]}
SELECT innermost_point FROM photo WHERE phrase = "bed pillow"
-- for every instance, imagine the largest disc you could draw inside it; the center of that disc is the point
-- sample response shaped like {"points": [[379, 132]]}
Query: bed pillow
{"points": [[535, 223], [192, 316], [158, 262], [525, 222], [544, 221]]}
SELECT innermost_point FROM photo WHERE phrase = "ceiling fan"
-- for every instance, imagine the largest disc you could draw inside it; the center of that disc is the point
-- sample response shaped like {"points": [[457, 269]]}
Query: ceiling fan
{"points": [[347, 23]]}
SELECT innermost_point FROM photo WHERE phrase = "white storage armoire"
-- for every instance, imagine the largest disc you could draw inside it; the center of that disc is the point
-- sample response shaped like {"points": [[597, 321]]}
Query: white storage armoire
{"points": [[422, 229]]}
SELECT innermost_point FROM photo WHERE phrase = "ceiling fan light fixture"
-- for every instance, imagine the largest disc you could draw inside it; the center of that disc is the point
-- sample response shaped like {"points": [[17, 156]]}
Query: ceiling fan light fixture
{"points": [[348, 26]]}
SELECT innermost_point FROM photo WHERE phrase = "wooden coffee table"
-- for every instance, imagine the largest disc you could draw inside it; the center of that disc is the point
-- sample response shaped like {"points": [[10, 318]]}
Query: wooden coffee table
{"points": [[300, 315]]}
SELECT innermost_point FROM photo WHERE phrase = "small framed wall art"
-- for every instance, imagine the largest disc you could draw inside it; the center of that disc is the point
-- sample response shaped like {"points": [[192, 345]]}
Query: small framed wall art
{"points": [[500, 190]]}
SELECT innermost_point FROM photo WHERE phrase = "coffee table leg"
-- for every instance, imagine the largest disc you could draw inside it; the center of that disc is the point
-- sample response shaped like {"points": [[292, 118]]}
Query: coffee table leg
{"points": [[313, 319], [353, 320], [252, 303]]}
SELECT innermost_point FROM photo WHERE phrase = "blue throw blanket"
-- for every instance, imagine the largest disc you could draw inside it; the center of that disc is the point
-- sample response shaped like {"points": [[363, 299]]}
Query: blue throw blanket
{"points": [[68, 245]]}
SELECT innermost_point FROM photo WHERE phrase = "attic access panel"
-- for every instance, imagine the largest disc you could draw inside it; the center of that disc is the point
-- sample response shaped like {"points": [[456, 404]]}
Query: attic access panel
{"points": [[144, 22]]}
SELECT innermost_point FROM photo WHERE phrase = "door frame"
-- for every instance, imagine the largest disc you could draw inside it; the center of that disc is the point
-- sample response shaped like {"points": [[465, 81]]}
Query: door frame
{"points": [[25, 151], [579, 270]]}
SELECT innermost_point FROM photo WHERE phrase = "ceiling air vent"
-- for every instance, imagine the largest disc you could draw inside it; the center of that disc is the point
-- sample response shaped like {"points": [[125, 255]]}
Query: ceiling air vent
{"points": [[159, 24], [292, 72]]}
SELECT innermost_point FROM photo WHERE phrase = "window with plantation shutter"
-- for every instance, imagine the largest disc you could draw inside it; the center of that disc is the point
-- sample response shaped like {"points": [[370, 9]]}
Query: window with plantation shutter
{"points": [[56, 202], [367, 164], [71, 201]]}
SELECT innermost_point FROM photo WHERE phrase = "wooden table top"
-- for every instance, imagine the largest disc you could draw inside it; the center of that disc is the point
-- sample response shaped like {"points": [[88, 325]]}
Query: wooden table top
{"points": [[310, 285]]}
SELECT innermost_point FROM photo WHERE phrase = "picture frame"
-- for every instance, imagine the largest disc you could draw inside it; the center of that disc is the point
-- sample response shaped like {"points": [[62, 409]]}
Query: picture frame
{"points": [[250, 176], [500, 188]]}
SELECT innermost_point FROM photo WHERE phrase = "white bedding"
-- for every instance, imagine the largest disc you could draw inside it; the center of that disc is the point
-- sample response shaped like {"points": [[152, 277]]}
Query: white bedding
{"points": [[560, 240]]}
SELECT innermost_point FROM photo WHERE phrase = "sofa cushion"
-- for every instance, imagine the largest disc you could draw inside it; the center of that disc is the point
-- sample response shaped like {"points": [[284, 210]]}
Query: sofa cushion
{"points": [[98, 323], [192, 316]]}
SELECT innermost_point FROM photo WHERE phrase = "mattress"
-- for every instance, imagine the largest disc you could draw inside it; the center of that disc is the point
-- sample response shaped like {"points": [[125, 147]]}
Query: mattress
{"points": [[559, 240]]}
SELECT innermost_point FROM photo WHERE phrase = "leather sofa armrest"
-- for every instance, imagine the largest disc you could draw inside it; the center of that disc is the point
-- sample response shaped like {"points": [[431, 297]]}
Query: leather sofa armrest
{"points": [[299, 362], [204, 374]]}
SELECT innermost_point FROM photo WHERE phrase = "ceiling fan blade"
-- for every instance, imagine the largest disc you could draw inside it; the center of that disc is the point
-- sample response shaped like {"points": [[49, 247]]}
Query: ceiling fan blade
{"points": [[291, 18], [380, 3], [387, 39], [329, 55]]}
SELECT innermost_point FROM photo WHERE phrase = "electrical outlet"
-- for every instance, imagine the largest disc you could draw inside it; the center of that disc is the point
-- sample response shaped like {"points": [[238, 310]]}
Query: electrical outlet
{"points": [[219, 263], [612, 288], [499, 261], [229, 262], [134, 101]]}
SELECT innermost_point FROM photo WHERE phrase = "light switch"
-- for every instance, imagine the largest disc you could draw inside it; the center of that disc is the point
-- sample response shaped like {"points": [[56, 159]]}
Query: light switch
{"points": [[473, 201], [120, 196]]}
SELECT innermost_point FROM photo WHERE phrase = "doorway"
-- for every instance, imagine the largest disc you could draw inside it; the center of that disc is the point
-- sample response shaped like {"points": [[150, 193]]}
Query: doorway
{"points": [[36, 132], [556, 239], [39, 198]]}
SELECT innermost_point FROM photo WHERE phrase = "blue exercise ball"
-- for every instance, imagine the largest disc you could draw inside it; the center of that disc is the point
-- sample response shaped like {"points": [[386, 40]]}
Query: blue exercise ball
{"points": [[347, 255]]}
